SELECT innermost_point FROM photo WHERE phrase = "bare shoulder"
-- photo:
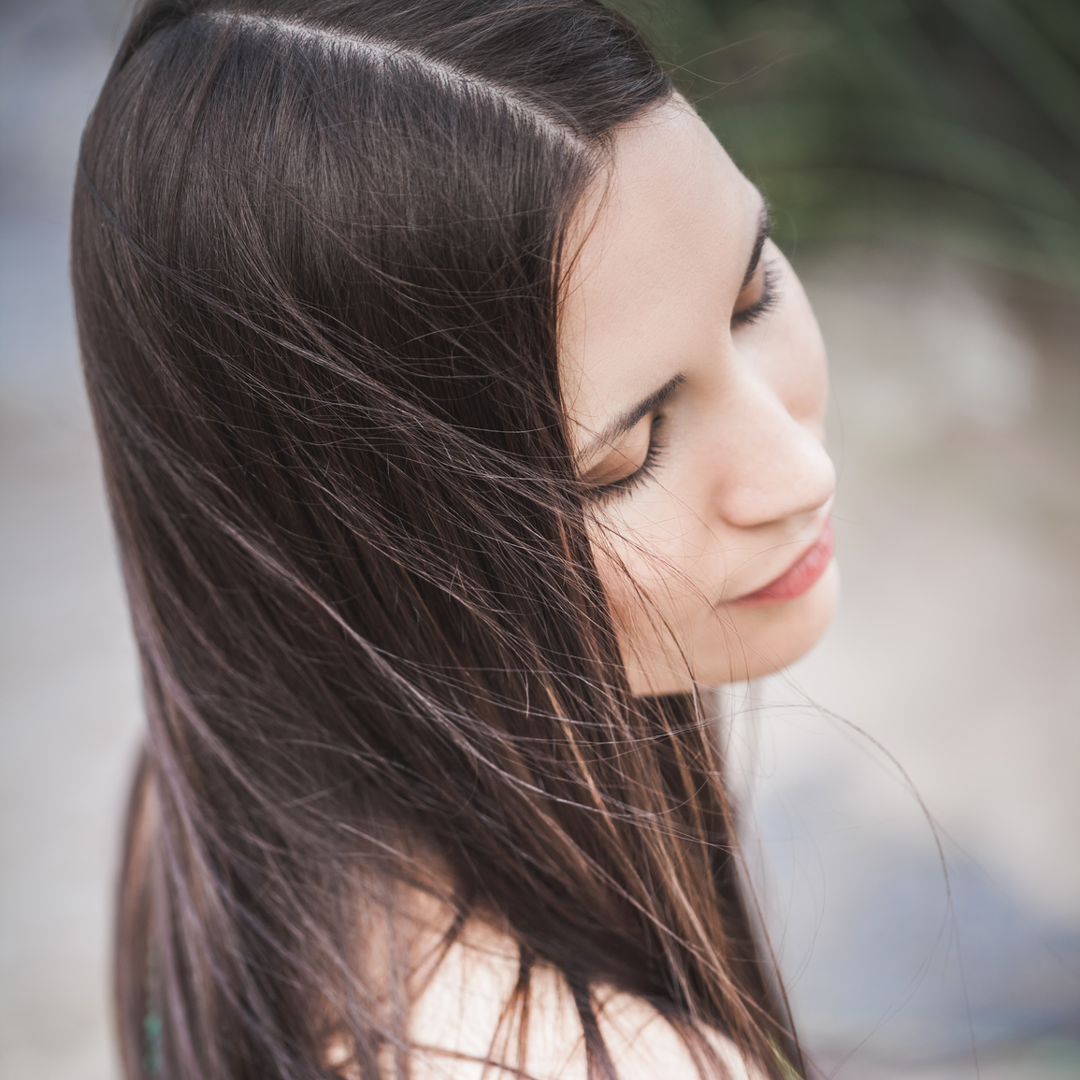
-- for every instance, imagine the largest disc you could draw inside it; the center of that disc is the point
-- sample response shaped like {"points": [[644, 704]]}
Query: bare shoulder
{"points": [[644, 1045], [464, 1022]]}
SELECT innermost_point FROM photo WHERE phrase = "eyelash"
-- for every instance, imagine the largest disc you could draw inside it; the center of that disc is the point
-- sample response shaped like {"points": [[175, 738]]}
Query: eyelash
{"points": [[770, 294], [639, 475]]}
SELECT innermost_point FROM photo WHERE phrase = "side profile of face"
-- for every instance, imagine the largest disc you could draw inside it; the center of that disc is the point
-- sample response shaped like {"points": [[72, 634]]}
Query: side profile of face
{"points": [[695, 380]]}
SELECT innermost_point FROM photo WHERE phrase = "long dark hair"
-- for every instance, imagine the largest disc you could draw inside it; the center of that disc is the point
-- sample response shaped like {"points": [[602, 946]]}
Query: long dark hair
{"points": [[317, 249]]}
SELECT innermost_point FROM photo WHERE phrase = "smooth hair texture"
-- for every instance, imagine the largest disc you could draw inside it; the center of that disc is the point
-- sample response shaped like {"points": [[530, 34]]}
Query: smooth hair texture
{"points": [[317, 253]]}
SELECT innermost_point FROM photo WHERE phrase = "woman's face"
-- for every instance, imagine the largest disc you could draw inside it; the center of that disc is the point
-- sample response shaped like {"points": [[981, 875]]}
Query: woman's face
{"points": [[695, 380]]}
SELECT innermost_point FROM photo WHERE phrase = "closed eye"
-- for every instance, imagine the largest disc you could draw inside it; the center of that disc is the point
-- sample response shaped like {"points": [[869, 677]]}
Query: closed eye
{"points": [[765, 302], [642, 473]]}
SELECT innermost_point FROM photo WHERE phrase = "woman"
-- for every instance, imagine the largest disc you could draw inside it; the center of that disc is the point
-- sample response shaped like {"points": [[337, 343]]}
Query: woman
{"points": [[460, 425]]}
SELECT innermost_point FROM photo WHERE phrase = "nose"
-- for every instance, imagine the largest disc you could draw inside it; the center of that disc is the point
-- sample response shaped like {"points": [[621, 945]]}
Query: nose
{"points": [[773, 465]]}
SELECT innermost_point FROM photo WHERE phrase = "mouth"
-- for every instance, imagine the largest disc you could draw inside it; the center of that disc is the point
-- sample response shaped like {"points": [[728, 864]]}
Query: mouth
{"points": [[798, 578]]}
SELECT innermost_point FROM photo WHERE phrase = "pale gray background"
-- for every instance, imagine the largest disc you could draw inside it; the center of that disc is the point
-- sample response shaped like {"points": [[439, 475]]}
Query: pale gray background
{"points": [[956, 426]]}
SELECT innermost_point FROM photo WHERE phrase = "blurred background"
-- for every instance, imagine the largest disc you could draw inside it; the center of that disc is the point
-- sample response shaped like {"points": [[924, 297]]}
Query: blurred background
{"points": [[911, 792]]}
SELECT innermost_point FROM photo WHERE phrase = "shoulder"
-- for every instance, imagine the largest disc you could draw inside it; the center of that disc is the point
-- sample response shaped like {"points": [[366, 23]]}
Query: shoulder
{"points": [[644, 1045], [464, 1021]]}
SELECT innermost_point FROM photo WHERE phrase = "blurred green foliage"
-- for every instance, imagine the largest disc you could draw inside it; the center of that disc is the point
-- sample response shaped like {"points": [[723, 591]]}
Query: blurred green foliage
{"points": [[951, 122]]}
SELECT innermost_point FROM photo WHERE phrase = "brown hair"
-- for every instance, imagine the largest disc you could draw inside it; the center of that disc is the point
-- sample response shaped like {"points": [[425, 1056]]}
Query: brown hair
{"points": [[316, 255]]}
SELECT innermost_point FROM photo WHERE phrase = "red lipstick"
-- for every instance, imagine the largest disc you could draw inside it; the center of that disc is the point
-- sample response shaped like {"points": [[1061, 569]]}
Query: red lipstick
{"points": [[798, 578]]}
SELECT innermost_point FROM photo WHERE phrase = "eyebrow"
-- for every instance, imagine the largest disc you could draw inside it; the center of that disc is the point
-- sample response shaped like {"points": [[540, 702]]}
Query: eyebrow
{"points": [[628, 420], [763, 230]]}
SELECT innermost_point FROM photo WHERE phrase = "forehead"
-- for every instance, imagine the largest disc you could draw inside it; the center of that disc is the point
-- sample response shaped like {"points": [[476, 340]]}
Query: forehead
{"points": [[661, 246]]}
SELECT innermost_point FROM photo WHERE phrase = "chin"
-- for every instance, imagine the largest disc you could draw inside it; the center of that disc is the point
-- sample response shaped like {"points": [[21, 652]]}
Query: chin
{"points": [[770, 638], [740, 644]]}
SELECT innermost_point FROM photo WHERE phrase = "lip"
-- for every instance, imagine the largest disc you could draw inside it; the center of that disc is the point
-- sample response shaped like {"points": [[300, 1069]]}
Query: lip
{"points": [[798, 578]]}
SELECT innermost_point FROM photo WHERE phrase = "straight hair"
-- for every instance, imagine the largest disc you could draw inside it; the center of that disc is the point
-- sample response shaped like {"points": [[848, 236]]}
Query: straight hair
{"points": [[317, 252]]}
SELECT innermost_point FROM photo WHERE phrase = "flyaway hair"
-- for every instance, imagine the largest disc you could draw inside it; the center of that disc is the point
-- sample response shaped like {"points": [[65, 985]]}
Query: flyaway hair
{"points": [[317, 252]]}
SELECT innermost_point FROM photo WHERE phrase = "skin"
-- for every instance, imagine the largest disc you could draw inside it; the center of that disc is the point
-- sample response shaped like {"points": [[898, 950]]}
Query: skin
{"points": [[741, 486], [740, 492]]}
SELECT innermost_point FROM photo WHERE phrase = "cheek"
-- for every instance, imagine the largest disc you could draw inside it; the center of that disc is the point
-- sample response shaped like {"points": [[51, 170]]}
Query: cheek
{"points": [[657, 578], [624, 601], [644, 615], [625, 572]]}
